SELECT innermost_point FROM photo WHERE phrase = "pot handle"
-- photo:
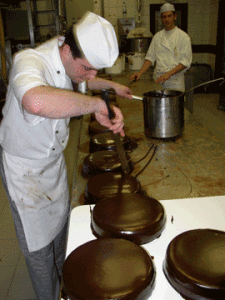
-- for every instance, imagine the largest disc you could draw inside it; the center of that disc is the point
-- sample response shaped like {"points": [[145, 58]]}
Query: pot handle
{"points": [[205, 83], [137, 97]]}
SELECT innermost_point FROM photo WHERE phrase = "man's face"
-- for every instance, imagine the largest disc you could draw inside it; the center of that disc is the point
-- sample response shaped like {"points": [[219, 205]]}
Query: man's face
{"points": [[80, 70], [168, 18]]}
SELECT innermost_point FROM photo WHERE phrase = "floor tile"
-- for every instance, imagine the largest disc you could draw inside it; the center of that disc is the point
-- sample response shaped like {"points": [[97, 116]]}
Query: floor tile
{"points": [[7, 225], [9, 253], [2, 205], [3, 198], [21, 287], [22, 261], [6, 275]]}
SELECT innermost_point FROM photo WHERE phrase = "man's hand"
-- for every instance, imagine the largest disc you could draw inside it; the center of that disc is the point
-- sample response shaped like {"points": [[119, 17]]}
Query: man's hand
{"points": [[123, 91], [135, 76], [163, 78], [116, 124]]}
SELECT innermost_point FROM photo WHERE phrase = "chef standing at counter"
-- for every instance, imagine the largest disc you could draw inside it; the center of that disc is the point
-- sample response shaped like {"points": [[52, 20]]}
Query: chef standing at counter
{"points": [[34, 132], [171, 50]]}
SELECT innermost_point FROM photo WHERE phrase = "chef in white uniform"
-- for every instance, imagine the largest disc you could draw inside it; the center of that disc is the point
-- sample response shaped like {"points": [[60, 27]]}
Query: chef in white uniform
{"points": [[34, 132], [171, 49]]}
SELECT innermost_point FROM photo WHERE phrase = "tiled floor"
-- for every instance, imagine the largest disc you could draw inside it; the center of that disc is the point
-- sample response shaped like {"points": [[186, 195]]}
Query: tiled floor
{"points": [[14, 279]]}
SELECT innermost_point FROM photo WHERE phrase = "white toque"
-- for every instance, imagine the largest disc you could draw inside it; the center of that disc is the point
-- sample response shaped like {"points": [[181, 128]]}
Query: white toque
{"points": [[167, 7], [97, 40]]}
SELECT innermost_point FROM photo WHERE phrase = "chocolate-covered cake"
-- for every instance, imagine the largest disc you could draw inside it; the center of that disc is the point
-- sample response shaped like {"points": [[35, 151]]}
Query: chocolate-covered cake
{"points": [[106, 269], [135, 217], [108, 185], [106, 141], [95, 128], [103, 161], [195, 264]]}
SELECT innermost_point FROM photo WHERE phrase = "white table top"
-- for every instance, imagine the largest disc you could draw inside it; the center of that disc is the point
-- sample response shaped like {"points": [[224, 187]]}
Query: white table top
{"points": [[187, 214]]}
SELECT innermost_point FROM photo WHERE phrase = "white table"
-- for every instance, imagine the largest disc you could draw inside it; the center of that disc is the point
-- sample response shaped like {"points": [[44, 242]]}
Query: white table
{"points": [[187, 214]]}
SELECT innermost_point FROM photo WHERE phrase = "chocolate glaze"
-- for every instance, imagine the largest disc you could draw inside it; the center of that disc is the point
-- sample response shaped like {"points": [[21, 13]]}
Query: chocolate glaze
{"points": [[103, 161], [106, 141], [109, 185], [109, 269], [195, 264], [135, 217], [95, 128]]}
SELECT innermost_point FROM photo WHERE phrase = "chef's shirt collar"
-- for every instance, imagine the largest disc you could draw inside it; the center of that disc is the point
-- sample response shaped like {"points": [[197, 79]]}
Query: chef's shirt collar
{"points": [[59, 67]]}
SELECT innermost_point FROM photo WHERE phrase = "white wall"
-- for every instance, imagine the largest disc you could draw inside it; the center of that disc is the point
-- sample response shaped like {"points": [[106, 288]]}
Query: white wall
{"points": [[202, 20]]}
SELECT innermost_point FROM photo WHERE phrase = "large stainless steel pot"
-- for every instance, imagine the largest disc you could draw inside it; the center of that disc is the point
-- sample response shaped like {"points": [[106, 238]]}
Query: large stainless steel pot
{"points": [[164, 112], [138, 44]]}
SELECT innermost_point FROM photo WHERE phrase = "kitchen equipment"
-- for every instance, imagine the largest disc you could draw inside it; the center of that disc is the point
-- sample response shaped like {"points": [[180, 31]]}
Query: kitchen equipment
{"points": [[117, 67], [164, 111], [135, 60], [118, 142], [138, 44]]}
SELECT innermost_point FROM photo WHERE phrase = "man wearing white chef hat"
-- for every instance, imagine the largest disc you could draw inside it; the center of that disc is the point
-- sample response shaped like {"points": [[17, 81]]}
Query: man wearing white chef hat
{"points": [[46, 88], [171, 50]]}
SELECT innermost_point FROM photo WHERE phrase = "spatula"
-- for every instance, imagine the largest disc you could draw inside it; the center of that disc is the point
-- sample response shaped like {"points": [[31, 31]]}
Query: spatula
{"points": [[119, 144]]}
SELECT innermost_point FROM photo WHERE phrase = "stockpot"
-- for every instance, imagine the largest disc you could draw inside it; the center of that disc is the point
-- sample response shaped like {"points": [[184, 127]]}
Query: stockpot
{"points": [[164, 112]]}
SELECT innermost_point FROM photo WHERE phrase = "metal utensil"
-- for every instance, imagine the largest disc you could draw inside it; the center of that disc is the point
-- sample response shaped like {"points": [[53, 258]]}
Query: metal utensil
{"points": [[191, 89], [119, 145]]}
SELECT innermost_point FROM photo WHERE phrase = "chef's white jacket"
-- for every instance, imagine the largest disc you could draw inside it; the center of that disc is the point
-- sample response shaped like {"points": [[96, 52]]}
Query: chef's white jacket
{"points": [[33, 146], [169, 49]]}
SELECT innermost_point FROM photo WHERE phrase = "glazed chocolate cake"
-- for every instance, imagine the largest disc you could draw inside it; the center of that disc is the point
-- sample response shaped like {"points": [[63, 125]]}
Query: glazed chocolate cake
{"points": [[195, 264], [106, 269], [135, 217], [106, 141], [95, 128], [108, 185], [103, 161]]}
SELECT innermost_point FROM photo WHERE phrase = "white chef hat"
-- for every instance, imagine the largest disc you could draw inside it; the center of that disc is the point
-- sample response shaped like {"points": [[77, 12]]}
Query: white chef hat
{"points": [[167, 7], [97, 40]]}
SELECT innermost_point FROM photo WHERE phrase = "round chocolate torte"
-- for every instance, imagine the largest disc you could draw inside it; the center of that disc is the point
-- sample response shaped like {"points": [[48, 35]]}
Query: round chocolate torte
{"points": [[135, 217], [195, 264], [106, 141], [95, 128], [104, 269], [103, 161], [108, 185]]}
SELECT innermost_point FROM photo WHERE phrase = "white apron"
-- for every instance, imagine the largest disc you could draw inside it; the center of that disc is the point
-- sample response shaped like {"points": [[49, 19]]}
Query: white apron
{"points": [[175, 82], [40, 191]]}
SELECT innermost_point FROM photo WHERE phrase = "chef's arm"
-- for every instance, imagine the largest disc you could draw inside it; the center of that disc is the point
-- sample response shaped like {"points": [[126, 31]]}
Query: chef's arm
{"points": [[102, 84], [147, 64], [54, 103], [172, 72]]}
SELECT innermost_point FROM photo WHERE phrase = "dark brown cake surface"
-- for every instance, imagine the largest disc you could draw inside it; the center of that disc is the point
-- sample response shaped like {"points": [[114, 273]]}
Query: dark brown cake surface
{"points": [[103, 161], [108, 269], [195, 264], [108, 185], [135, 217], [106, 141], [95, 128]]}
